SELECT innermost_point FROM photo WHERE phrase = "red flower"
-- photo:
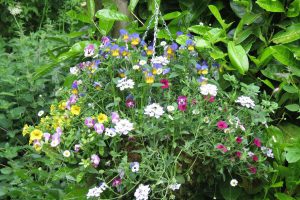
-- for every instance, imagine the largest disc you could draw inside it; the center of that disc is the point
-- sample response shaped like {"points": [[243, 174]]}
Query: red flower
{"points": [[254, 158], [222, 148], [222, 125], [252, 169], [238, 154], [239, 139], [165, 82], [182, 103], [211, 99], [257, 142]]}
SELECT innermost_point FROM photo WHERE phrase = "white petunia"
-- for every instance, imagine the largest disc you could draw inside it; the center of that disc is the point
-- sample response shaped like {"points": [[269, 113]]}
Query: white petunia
{"points": [[96, 191], [154, 110], [233, 182], [66, 153], [245, 101], [142, 192], [170, 108], [208, 89], [123, 126], [125, 83], [40, 113]]}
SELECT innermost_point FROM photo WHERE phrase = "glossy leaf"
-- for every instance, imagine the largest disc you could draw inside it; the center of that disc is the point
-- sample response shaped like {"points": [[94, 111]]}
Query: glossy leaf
{"points": [[214, 10], [171, 15], [238, 57], [271, 5], [294, 9], [283, 55], [293, 107], [91, 8], [132, 5], [292, 33], [292, 154], [108, 14]]}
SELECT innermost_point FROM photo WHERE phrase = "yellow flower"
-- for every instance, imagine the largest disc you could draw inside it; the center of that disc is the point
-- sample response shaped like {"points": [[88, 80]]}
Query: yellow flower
{"points": [[149, 52], [205, 71], [25, 130], [74, 91], [102, 118], [62, 105], [125, 37], [52, 108], [135, 41], [37, 146], [36, 134], [191, 48], [75, 110], [154, 71], [122, 75], [115, 53], [149, 79]]}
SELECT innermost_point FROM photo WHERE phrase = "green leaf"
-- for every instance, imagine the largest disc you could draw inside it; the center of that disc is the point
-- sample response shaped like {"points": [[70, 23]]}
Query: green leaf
{"points": [[199, 29], [293, 107], [111, 15], [271, 5], [171, 15], [277, 185], [292, 154], [105, 26], [238, 57], [290, 89], [182, 39], [16, 113], [69, 80], [282, 196], [91, 8], [294, 9], [292, 33], [132, 5], [214, 10], [79, 16], [284, 55]]}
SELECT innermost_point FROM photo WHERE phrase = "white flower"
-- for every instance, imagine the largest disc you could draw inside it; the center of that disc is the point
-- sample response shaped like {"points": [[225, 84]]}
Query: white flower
{"points": [[206, 119], [245, 101], [96, 191], [142, 62], [142, 192], [123, 126], [125, 83], [163, 43], [154, 110], [233, 182], [74, 70], [66, 153], [267, 151], [250, 154], [40, 113], [170, 108], [160, 60], [170, 117], [15, 10], [111, 132], [174, 186], [159, 71], [136, 67], [135, 167], [196, 112], [208, 89]]}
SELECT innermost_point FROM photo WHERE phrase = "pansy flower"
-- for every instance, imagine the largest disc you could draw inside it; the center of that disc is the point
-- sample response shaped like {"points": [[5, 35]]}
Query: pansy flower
{"points": [[149, 78], [149, 50], [105, 40], [202, 69], [89, 50], [124, 35], [165, 83], [182, 103], [115, 50], [99, 128], [190, 45], [97, 85], [95, 160], [89, 122], [124, 51], [135, 39]]}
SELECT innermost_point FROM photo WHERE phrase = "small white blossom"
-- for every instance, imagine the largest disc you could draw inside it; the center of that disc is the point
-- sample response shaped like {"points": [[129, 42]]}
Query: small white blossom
{"points": [[96, 191], [136, 67], [196, 112], [208, 89], [66, 153], [15, 10], [170, 108], [250, 154], [40, 113], [154, 110], [163, 43], [160, 60], [125, 83], [245, 101], [174, 186], [159, 71], [142, 62], [111, 132], [123, 126], [233, 182], [135, 167], [74, 70], [142, 192]]}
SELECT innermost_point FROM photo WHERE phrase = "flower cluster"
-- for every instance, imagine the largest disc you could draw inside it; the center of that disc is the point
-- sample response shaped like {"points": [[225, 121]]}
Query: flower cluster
{"points": [[142, 192]]}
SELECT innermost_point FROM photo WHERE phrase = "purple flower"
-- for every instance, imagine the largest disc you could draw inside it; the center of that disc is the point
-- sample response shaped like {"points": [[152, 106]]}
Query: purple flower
{"points": [[89, 122], [123, 32], [77, 147], [117, 182], [59, 131], [189, 42], [75, 85], [179, 33], [166, 71], [89, 50], [115, 117], [73, 99], [174, 46], [182, 103], [47, 136], [99, 128], [105, 40], [95, 159]]}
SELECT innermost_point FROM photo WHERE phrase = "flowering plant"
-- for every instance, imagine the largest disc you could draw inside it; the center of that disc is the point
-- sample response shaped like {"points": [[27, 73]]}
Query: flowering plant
{"points": [[145, 122]]}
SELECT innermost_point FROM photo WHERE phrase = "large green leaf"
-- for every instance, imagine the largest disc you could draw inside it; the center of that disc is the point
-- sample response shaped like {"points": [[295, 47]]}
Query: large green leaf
{"points": [[214, 10], [238, 57], [171, 15], [271, 5], [111, 15], [294, 9], [285, 56], [199, 29], [283, 196], [292, 153], [291, 34], [293, 107], [79, 16], [91, 8], [105, 26]]}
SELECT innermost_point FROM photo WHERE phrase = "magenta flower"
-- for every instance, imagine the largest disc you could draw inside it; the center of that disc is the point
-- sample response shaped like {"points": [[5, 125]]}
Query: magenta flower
{"points": [[222, 148], [222, 125], [239, 139], [252, 169], [99, 128], [238, 154], [257, 142], [130, 103], [89, 50], [117, 182], [165, 83], [105, 40], [182, 103], [73, 99], [211, 99], [89, 122], [115, 117], [254, 158], [95, 159]]}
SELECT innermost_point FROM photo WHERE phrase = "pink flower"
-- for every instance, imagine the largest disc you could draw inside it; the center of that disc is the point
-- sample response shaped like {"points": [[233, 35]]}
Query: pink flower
{"points": [[165, 82], [89, 122], [239, 139], [47, 136], [99, 128], [254, 158], [130, 103], [116, 182], [115, 117], [95, 159], [211, 99], [252, 170], [222, 125], [76, 147], [238, 154], [182, 103], [222, 148], [89, 50], [257, 142]]}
